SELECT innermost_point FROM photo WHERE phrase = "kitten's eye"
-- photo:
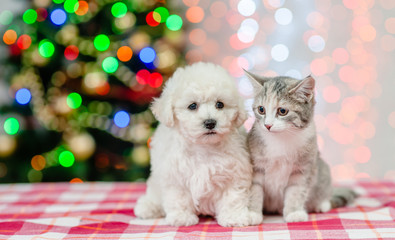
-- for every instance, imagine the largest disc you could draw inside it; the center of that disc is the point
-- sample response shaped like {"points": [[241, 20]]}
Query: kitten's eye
{"points": [[282, 111], [261, 110], [219, 105], [193, 106]]}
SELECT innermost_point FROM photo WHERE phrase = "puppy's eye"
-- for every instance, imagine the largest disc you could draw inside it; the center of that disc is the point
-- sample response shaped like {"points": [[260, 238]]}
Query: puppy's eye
{"points": [[261, 110], [219, 105], [282, 111], [193, 106]]}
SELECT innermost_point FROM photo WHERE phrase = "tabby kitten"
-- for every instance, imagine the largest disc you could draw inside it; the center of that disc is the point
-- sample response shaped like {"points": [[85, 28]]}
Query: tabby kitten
{"points": [[289, 175]]}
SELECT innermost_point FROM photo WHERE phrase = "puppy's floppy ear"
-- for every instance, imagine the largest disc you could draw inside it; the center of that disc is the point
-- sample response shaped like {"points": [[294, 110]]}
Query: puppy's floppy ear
{"points": [[162, 108], [256, 81], [304, 91], [241, 113]]}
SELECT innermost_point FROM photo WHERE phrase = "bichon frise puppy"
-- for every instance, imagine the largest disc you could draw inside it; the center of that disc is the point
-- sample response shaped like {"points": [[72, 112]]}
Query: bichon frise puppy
{"points": [[199, 161]]}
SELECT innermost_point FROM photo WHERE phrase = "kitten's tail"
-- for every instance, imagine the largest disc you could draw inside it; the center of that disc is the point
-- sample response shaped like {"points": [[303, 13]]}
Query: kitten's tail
{"points": [[342, 196]]}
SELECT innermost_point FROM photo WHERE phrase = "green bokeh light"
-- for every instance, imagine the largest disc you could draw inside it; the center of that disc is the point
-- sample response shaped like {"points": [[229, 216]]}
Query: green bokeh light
{"points": [[46, 48], [30, 16], [119, 9], [58, 1], [66, 159], [74, 100], [174, 22], [110, 64], [163, 12], [11, 126], [71, 6], [101, 42], [6, 17]]}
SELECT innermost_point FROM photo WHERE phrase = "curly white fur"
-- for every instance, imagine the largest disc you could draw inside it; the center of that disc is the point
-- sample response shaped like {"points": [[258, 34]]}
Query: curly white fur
{"points": [[195, 170]]}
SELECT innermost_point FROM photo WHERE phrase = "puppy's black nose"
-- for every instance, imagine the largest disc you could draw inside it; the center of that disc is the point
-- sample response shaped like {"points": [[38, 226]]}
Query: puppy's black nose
{"points": [[210, 123]]}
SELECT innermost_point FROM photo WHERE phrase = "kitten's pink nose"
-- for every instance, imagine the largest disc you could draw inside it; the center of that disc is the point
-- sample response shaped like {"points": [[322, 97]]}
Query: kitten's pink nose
{"points": [[268, 126]]}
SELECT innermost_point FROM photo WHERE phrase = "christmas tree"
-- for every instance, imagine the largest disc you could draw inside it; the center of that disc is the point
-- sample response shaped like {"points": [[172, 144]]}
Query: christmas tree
{"points": [[81, 75]]}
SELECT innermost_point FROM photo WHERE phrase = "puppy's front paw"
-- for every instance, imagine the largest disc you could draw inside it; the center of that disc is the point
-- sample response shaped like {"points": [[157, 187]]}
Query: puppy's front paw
{"points": [[180, 218], [239, 218], [297, 216], [255, 218], [146, 209]]}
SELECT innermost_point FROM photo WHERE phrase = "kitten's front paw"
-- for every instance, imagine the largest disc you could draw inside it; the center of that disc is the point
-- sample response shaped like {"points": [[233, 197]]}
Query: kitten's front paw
{"points": [[180, 218], [255, 218], [325, 206], [297, 216], [239, 218]]}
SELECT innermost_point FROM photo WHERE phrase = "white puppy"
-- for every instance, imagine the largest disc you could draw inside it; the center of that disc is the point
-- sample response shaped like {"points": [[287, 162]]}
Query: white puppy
{"points": [[199, 161]]}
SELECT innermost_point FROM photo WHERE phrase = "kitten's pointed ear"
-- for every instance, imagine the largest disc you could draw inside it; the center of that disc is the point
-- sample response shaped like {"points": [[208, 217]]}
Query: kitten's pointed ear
{"points": [[304, 91], [256, 81]]}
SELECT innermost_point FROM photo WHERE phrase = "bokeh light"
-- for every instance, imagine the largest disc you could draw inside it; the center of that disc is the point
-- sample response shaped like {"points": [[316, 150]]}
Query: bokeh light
{"points": [[119, 9], [121, 119], [24, 42], [195, 14], [142, 76], [58, 17], [83, 8], [101, 42], [38, 162], [71, 52], [42, 14], [71, 6], [316, 43], [246, 7], [218, 9], [197, 37], [124, 53], [340, 56], [9, 37], [76, 181], [23, 96], [155, 80], [174, 22], [390, 25], [74, 100], [391, 119], [152, 20], [66, 159], [367, 33], [6, 17], [318, 67], [280, 52], [29, 16], [163, 13], [283, 16], [247, 31], [331, 94], [147, 55], [11, 126], [46, 48], [362, 154], [347, 73], [110, 64]]}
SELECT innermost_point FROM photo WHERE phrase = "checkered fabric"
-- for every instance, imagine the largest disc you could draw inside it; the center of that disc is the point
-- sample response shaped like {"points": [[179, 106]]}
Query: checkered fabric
{"points": [[105, 211]]}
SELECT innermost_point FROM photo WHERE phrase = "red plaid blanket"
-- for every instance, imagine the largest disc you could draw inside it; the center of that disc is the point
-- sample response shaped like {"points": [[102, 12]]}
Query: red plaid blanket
{"points": [[105, 211]]}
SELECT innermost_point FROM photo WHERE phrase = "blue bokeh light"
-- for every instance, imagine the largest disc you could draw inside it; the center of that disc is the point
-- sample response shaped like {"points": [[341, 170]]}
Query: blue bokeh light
{"points": [[23, 96], [121, 119], [58, 17], [147, 55]]}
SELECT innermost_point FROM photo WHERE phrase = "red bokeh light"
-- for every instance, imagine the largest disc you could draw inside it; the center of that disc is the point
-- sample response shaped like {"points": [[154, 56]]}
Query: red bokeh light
{"points": [[71, 52]]}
